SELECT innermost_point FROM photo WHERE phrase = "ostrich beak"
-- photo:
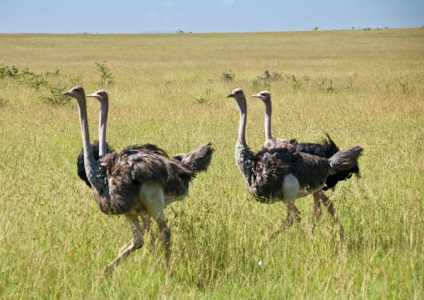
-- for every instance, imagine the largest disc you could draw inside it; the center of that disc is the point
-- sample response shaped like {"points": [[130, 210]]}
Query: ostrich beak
{"points": [[66, 93], [230, 95], [92, 95]]}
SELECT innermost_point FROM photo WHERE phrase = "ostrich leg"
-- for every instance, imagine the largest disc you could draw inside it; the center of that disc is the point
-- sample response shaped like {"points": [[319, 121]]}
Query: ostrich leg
{"points": [[154, 204], [165, 236], [330, 207], [320, 197], [136, 243], [146, 227], [293, 214], [317, 211]]}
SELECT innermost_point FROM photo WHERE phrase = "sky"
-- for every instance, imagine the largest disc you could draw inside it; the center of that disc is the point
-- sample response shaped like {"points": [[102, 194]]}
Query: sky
{"points": [[164, 16]]}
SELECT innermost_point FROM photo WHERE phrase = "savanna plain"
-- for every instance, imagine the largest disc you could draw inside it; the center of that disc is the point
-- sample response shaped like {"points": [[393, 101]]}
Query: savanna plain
{"points": [[363, 87]]}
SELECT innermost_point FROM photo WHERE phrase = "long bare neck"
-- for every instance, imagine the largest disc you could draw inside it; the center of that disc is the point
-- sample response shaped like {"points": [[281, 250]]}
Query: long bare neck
{"points": [[90, 164], [244, 156], [242, 126], [268, 113], [104, 108], [96, 174], [82, 109]]}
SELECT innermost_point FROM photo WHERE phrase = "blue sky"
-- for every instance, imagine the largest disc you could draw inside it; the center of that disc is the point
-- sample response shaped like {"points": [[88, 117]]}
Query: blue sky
{"points": [[140, 16]]}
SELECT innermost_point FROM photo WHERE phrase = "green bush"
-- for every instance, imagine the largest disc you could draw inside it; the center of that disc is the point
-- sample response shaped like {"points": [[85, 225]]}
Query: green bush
{"points": [[31, 79], [228, 76], [106, 77], [3, 102], [8, 71], [56, 97]]}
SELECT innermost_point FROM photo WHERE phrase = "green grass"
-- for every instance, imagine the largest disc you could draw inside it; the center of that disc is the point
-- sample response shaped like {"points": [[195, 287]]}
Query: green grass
{"points": [[362, 87]]}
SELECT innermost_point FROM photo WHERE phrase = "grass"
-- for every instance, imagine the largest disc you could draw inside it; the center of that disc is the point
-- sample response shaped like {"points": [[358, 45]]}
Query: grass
{"points": [[363, 87]]}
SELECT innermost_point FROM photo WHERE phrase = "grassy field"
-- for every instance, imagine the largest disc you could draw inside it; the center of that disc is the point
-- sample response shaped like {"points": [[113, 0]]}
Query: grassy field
{"points": [[362, 87]]}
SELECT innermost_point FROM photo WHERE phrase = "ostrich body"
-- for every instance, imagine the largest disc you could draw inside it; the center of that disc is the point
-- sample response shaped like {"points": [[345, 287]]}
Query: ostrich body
{"points": [[136, 182], [326, 149], [282, 173]]}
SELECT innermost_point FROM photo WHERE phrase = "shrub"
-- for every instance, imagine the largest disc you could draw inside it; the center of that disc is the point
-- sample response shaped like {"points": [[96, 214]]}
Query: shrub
{"points": [[54, 73], [404, 87], [264, 82], [31, 79], [25, 76], [8, 71], [106, 77], [56, 97], [3, 102], [260, 84], [292, 80], [205, 98], [325, 84], [228, 76], [274, 76]]}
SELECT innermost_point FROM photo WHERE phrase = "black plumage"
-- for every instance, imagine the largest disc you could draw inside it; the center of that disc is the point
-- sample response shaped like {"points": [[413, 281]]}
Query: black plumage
{"points": [[132, 167], [80, 160], [327, 148]]}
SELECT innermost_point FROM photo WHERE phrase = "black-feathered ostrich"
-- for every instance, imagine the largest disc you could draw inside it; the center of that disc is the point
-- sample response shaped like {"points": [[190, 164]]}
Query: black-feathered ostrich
{"points": [[327, 148], [100, 148], [137, 182], [283, 174]]}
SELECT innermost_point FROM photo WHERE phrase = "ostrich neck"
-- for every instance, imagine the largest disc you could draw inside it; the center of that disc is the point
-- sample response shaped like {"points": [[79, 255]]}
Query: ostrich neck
{"points": [[244, 156], [92, 167], [104, 108], [242, 126], [268, 113], [88, 155]]}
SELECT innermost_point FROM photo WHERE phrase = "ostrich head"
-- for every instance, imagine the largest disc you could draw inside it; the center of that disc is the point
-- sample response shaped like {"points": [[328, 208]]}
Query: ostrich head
{"points": [[100, 95], [236, 93], [76, 92], [264, 95]]}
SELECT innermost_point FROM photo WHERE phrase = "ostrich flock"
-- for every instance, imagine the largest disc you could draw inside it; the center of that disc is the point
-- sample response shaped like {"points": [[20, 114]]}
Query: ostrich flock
{"points": [[141, 180]]}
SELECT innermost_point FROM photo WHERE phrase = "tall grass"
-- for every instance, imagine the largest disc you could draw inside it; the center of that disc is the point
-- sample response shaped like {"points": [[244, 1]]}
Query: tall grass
{"points": [[362, 87]]}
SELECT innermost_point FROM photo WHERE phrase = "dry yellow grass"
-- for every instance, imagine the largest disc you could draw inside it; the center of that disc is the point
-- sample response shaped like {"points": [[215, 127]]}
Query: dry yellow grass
{"points": [[363, 87]]}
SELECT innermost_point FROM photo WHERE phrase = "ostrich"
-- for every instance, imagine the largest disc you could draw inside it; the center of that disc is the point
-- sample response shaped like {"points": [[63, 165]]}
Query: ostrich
{"points": [[327, 148], [101, 148], [137, 181], [284, 174]]}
